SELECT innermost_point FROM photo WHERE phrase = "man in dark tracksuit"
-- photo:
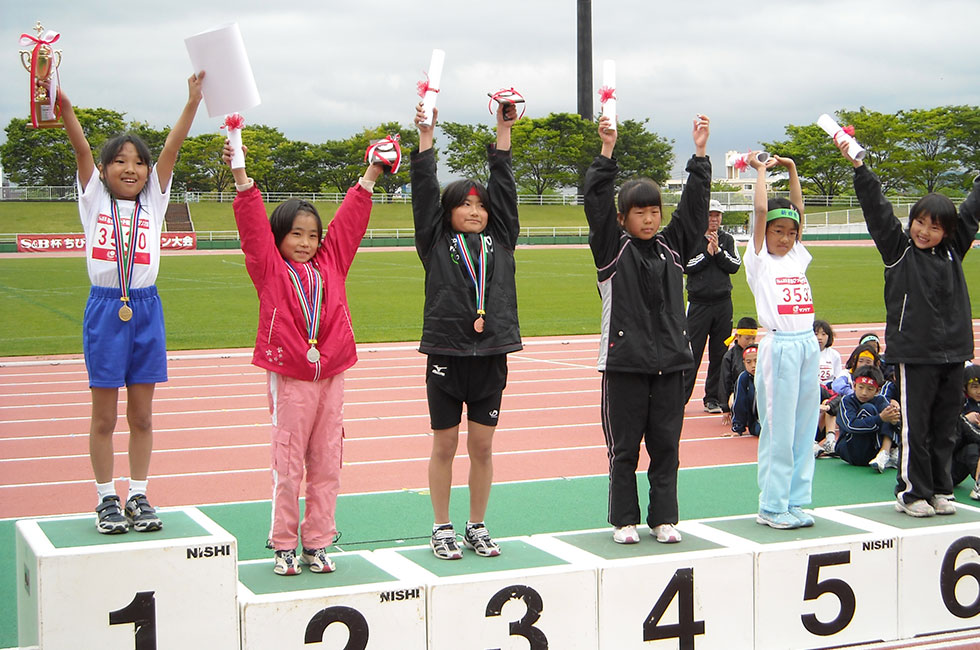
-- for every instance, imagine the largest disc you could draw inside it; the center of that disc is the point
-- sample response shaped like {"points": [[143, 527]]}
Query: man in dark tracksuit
{"points": [[709, 297]]}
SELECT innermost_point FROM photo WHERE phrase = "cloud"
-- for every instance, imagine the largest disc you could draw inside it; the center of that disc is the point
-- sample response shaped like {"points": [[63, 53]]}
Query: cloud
{"points": [[326, 70]]}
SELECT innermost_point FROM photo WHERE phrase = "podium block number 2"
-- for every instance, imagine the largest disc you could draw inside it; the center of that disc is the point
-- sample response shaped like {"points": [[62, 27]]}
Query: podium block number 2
{"points": [[352, 619], [142, 613]]}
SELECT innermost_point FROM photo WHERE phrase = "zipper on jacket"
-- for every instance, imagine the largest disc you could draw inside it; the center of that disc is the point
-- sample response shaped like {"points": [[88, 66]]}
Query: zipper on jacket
{"points": [[901, 319], [272, 322]]}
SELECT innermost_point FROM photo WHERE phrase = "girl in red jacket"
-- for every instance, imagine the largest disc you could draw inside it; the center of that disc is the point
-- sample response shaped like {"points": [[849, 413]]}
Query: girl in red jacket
{"points": [[305, 343]]}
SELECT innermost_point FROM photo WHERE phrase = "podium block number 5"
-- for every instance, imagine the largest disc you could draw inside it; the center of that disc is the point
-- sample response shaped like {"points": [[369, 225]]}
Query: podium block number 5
{"points": [[814, 588]]}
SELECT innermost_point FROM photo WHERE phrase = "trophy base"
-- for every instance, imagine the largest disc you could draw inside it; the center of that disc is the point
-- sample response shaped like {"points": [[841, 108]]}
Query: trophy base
{"points": [[46, 118]]}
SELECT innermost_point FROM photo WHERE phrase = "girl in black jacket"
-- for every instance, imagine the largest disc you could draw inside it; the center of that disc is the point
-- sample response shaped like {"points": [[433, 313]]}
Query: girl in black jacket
{"points": [[644, 348], [466, 240], [929, 330]]}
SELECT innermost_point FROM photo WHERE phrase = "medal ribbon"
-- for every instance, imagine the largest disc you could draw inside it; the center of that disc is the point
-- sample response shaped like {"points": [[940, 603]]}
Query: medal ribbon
{"points": [[477, 271], [310, 307], [124, 263]]}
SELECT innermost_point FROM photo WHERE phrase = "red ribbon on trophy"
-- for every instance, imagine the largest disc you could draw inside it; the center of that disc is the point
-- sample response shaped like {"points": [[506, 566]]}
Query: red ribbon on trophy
{"points": [[42, 66]]}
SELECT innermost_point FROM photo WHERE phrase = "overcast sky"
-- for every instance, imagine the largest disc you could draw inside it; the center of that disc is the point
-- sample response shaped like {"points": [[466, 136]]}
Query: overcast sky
{"points": [[328, 69]]}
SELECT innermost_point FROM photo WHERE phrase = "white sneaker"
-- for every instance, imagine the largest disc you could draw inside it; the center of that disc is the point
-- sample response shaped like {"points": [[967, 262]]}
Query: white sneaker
{"points": [[975, 492], [880, 461], [892, 459], [942, 505], [625, 535], [666, 534]]}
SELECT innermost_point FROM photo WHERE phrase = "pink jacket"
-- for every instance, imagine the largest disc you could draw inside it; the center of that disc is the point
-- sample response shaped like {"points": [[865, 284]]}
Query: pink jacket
{"points": [[281, 341]]}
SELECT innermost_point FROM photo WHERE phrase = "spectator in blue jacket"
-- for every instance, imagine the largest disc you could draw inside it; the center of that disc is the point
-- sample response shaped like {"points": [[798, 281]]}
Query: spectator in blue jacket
{"points": [[867, 421], [745, 412]]}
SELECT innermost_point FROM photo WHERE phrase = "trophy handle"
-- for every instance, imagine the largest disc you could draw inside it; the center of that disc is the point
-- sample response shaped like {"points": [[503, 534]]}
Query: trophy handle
{"points": [[25, 59], [57, 61]]}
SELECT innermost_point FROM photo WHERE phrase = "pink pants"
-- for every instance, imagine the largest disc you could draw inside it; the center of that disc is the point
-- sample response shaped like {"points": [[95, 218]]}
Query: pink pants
{"points": [[307, 432]]}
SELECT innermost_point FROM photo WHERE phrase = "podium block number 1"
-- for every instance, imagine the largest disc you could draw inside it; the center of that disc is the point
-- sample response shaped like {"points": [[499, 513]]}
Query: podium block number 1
{"points": [[142, 613]]}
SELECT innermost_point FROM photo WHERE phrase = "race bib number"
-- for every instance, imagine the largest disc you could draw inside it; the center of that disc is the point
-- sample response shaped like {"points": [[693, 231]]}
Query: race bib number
{"points": [[794, 295], [103, 247]]}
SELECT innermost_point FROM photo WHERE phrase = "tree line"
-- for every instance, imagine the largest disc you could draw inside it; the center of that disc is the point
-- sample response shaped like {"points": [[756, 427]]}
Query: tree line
{"points": [[912, 151]]}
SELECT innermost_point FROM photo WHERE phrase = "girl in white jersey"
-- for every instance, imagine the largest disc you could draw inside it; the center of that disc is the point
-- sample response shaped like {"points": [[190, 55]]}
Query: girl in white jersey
{"points": [[787, 389], [122, 201]]}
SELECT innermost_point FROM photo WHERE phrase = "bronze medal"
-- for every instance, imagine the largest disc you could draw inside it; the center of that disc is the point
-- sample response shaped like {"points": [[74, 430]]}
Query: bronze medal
{"points": [[125, 313], [478, 325], [312, 355]]}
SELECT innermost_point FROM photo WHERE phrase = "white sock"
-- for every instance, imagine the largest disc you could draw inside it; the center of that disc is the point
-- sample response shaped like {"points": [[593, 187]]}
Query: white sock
{"points": [[831, 436], [105, 489], [137, 487], [471, 524]]}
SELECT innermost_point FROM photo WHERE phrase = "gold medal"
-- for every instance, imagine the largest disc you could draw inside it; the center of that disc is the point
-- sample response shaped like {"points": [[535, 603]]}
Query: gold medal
{"points": [[125, 313], [312, 355], [478, 325]]}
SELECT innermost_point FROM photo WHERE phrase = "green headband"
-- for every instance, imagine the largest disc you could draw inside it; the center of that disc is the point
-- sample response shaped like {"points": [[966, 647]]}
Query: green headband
{"points": [[783, 213]]}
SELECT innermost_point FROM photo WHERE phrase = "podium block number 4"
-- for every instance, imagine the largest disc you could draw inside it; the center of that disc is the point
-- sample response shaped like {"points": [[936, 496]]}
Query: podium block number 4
{"points": [[681, 586], [357, 626], [142, 613]]}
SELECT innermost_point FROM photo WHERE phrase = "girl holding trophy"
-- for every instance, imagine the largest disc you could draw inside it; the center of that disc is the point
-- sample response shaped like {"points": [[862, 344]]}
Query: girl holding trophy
{"points": [[122, 201]]}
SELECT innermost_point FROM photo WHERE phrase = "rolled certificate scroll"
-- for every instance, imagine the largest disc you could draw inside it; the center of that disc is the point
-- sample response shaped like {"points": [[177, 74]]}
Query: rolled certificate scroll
{"points": [[234, 123], [740, 161], [429, 88], [834, 130], [607, 94]]}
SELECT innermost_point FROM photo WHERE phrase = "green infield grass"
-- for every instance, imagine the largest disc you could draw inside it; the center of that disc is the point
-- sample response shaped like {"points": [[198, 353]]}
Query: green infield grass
{"points": [[209, 301]]}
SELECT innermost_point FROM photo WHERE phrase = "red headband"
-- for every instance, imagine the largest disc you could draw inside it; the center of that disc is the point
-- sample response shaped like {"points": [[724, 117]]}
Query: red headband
{"points": [[473, 191], [866, 380], [751, 348]]}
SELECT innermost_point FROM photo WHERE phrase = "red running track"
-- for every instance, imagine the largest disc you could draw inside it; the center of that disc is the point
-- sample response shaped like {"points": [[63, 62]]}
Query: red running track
{"points": [[211, 425]]}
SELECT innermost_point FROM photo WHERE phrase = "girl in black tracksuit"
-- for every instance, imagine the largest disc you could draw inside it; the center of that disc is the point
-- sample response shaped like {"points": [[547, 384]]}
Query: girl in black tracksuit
{"points": [[929, 330], [465, 238], [644, 348]]}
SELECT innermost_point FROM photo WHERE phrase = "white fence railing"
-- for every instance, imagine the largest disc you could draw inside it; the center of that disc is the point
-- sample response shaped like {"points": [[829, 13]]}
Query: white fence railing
{"points": [[733, 201]]}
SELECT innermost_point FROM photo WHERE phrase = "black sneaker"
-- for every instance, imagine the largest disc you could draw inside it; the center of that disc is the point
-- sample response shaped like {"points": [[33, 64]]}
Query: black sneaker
{"points": [[318, 560], [712, 407], [478, 538], [286, 564], [141, 515], [109, 517], [443, 543]]}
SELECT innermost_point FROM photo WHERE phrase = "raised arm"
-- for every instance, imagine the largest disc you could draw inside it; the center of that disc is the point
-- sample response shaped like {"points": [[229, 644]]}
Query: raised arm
{"points": [[426, 133], [795, 190], [506, 116], [760, 204], [79, 143], [168, 157]]}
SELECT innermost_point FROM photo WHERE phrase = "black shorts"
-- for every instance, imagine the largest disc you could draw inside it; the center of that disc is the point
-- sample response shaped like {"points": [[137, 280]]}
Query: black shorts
{"points": [[477, 381]]}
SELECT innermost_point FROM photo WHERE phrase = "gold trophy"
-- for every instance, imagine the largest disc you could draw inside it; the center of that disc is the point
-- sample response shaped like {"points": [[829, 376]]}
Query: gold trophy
{"points": [[42, 62]]}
